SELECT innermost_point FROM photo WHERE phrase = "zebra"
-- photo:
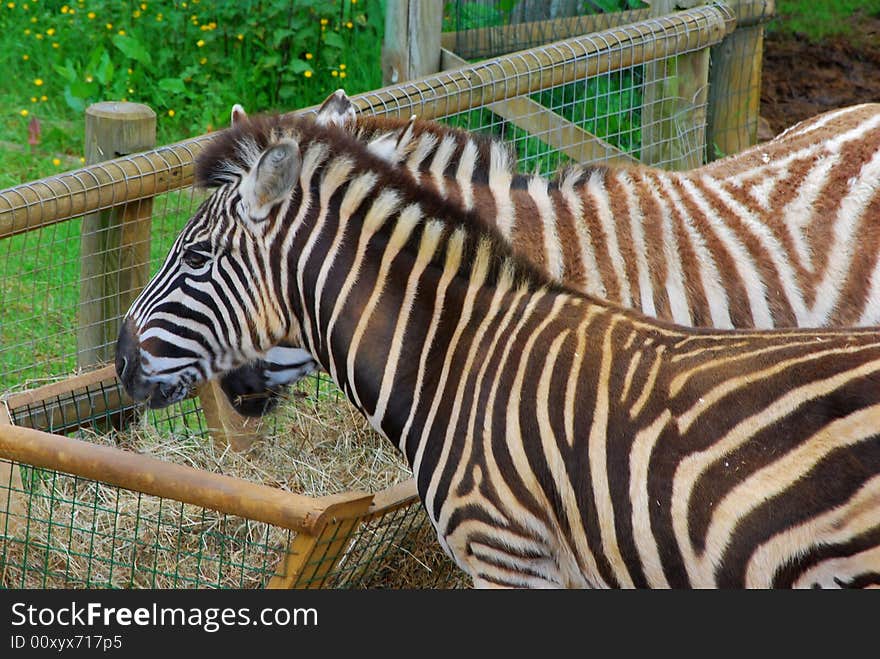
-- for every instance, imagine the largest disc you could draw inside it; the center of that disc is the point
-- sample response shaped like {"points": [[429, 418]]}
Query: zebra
{"points": [[739, 243], [556, 440]]}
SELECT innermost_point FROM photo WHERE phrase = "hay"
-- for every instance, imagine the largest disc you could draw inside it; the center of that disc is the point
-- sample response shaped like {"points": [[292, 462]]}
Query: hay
{"points": [[79, 533]]}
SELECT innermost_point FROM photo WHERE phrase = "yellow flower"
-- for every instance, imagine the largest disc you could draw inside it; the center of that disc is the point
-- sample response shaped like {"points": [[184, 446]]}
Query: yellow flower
{"points": [[109, 26], [82, 159], [342, 74], [27, 30], [121, 33], [25, 57], [159, 17], [354, 2], [33, 19], [56, 162], [23, 113], [91, 15], [55, 44], [65, 9], [205, 27], [307, 74], [38, 82], [130, 71], [39, 36], [240, 37], [130, 90], [50, 31], [183, 4], [11, 5], [25, 7], [44, 98], [72, 12], [171, 113], [334, 73], [200, 43], [309, 56], [144, 6], [33, 99], [342, 67], [136, 13], [204, 60], [324, 21], [349, 25], [89, 78]]}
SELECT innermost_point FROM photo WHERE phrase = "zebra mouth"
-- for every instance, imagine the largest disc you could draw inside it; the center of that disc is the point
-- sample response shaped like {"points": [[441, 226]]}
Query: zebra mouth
{"points": [[167, 393]]}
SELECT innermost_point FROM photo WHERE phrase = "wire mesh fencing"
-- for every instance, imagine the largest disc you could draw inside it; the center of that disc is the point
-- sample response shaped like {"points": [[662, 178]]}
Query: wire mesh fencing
{"points": [[615, 95]]}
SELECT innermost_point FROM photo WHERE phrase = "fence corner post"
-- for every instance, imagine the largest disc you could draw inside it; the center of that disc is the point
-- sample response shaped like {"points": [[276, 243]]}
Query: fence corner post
{"points": [[674, 104], [735, 88], [225, 425], [114, 243], [412, 39]]}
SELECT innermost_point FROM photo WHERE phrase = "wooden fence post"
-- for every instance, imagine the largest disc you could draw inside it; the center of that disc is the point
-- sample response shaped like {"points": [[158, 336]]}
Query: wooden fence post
{"points": [[412, 39], [13, 499], [735, 90], [115, 243], [674, 103]]}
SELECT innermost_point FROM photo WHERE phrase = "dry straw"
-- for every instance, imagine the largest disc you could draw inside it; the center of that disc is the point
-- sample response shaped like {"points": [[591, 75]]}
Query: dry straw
{"points": [[79, 533]]}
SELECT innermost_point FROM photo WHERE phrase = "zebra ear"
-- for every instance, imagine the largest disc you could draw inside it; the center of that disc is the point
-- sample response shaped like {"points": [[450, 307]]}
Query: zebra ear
{"points": [[270, 182], [337, 110], [238, 115]]}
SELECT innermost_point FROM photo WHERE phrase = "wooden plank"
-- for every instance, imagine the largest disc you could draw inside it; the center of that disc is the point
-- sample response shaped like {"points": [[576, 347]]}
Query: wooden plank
{"points": [[552, 129], [226, 426], [394, 497], [58, 198], [310, 558], [149, 475], [62, 387], [73, 403], [479, 43], [412, 39]]}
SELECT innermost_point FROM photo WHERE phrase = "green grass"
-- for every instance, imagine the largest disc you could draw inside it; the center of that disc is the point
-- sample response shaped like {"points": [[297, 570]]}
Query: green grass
{"points": [[819, 19], [188, 60]]}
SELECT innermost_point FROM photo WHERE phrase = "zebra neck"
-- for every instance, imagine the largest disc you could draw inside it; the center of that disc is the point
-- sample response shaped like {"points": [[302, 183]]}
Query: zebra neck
{"points": [[398, 314]]}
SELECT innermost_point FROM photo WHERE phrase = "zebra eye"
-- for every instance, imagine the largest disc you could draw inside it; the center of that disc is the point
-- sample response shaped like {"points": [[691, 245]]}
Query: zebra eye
{"points": [[195, 259]]}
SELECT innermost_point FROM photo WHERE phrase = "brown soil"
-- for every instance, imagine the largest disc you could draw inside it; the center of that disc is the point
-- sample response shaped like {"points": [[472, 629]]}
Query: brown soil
{"points": [[801, 79]]}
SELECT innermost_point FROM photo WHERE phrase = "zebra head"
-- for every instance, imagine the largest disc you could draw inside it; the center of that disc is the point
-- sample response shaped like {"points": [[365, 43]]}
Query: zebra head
{"points": [[211, 308], [254, 389]]}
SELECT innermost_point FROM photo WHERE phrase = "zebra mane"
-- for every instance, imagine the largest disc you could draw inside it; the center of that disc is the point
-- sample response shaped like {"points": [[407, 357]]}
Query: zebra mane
{"points": [[236, 150], [370, 127]]}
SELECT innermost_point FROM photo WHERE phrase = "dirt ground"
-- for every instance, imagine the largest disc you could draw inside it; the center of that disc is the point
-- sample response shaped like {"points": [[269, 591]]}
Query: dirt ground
{"points": [[801, 79]]}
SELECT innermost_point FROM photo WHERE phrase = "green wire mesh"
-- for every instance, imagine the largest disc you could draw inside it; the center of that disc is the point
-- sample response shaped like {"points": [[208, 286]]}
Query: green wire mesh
{"points": [[70, 532], [58, 530]]}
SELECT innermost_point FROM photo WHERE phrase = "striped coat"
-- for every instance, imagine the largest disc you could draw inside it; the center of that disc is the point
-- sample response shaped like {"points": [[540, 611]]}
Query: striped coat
{"points": [[556, 439], [785, 234]]}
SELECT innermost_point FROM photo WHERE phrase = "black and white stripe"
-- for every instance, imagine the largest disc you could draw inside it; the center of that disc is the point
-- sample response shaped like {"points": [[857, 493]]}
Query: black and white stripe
{"points": [[556, 440]]}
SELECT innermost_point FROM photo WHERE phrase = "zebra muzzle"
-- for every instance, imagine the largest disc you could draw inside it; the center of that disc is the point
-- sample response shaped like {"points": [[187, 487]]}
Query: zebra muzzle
{"points": [[141, 388]]}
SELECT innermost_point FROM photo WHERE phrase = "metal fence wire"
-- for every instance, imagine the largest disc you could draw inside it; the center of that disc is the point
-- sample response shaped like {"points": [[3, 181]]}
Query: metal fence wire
{"points": [[628, 92]]}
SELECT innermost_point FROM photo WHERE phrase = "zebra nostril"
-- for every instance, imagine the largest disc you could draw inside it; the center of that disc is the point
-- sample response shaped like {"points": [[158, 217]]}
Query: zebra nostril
{"points": [[126, 347]]}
